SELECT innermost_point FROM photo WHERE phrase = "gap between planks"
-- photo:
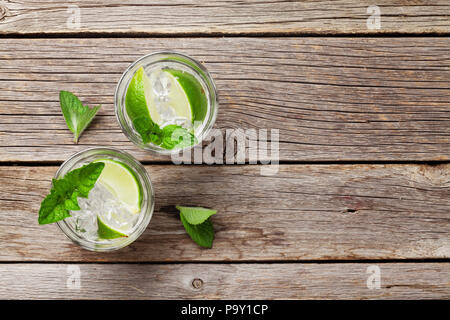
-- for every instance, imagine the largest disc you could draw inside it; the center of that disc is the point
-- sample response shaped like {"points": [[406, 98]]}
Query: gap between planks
{"points": [[249, 262]]}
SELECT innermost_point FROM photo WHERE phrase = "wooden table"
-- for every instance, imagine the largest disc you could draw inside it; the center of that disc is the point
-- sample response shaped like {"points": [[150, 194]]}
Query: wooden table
{"points": [[364, 121]]}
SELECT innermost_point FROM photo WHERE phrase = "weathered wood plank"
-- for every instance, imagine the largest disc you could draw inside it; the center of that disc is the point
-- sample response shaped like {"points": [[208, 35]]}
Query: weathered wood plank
{"points": [[331, 98], [303, 213], [158, 17], [224, 281]]}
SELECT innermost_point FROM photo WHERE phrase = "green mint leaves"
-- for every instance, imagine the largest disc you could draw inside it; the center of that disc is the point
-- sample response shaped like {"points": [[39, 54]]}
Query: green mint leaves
{"points": [[65, 192], [169, 137], [197, 222], [77, 116], [176, 136], [195, 215]]}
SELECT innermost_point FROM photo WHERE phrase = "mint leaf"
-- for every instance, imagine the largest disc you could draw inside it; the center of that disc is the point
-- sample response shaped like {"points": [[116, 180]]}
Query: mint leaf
{"points": [[149, 131], [202, 234], [176, 136], [169, 137], [197, 223], [84, 178], [77, 116], [195, 215], [52, 209], [65, 191]]}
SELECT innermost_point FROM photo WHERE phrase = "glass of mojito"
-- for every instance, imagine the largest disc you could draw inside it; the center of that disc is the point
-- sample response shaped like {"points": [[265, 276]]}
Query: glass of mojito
{"points": [[119, 206], [166, 102]]}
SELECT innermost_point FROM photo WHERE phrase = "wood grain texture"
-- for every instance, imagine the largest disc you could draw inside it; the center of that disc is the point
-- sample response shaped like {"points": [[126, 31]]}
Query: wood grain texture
{"points": [[333, 99], [158, 17], [225, 281], [304, 212]]}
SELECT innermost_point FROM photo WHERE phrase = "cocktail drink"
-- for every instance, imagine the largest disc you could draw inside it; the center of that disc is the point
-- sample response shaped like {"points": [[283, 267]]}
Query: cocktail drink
{"points": [[166, 102], [119, 206]]}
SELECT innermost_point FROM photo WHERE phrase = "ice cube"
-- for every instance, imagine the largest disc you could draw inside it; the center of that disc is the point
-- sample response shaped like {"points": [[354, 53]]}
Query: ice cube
{"points": [[100, 202], [161, 85], [182, 121], [167, 113]]}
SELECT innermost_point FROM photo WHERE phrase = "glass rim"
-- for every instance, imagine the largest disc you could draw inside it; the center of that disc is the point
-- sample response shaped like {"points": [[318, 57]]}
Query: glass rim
{"points": [[147, 190], [128, 129]]}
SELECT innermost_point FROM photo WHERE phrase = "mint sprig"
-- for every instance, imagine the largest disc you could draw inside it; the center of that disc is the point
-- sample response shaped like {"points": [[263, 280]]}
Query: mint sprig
{"points": [[77, 116], [198, 224], [65, 192], [170, 137], [176, 136]]}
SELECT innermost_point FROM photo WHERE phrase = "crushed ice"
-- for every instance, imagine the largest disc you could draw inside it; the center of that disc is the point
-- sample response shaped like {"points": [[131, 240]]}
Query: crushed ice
{"points": [[101, 202]]}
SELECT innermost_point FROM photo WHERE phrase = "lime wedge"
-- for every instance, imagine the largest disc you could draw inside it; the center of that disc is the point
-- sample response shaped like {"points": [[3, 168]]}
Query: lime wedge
{"points": [[138, 102], [185, 86], [106, 232], [120, 180], [177, 98]]}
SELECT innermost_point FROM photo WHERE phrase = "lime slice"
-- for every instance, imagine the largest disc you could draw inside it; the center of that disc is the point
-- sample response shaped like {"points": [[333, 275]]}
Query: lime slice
{"points": [[122, 183], [138, 102], [177, 99], [106, 232], [184, 86]]}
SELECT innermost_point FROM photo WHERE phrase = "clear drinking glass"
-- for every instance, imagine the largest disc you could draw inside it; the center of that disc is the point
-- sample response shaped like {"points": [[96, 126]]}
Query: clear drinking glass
{"points": [[141, 221], [166, 60]]}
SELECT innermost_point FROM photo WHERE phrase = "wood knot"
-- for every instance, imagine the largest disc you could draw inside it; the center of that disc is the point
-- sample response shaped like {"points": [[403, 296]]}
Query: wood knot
{"points": [[197, 283], [3, 12], [351, 210]]}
